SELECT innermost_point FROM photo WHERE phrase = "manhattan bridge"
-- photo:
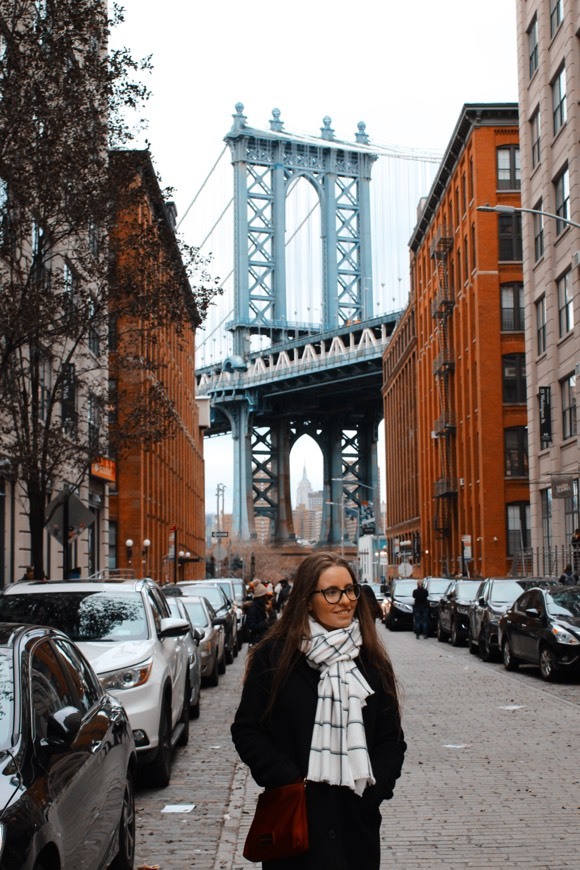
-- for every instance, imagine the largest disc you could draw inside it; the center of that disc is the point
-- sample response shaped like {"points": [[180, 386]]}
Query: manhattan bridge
{"points": [[302, 326]]}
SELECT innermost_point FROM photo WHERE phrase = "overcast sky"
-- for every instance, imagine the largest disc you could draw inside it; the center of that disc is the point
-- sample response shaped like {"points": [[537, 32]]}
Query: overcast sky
{"points": [[405, 69]]}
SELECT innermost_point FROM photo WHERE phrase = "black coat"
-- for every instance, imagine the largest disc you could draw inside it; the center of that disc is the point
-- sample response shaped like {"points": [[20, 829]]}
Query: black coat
{"points": [[344, 829]]}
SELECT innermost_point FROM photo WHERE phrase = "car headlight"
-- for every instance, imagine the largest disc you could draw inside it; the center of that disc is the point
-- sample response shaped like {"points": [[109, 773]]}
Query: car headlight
{"points": [[205, 646], [495, 616], [563, 636], [406, 608], [127, 678]]}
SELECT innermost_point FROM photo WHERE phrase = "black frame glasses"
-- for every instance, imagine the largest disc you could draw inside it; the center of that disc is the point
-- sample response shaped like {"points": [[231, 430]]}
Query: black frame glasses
{"points": [[333, 594]]}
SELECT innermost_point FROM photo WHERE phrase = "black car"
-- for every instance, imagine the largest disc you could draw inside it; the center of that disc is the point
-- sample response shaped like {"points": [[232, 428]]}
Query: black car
{"points": [[492, 599], [453, 610], [436, 587], [67, 759], [543, 628], [399, 605]]}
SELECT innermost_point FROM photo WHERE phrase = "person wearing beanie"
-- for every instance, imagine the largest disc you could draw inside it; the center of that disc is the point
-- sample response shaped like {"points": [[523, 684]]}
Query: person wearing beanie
{"points": [[257, 620]]}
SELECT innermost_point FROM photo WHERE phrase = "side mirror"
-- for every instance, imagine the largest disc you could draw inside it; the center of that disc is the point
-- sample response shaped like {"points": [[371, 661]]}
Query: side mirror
{"points": [[62, 728], [219, 620], [173, 628], [533, 612], [197, 636], [481, 602]]}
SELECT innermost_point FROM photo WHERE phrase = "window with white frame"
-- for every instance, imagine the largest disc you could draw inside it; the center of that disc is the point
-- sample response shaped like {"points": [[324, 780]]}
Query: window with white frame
{"points": [[562, 197], [565, 305], [538, 232], [568, 392], [535, 137], [541, 325], [559, 99], [508, 167], [518, 526], [533, 46], [546, 505], [556, 15], [512, 307]]}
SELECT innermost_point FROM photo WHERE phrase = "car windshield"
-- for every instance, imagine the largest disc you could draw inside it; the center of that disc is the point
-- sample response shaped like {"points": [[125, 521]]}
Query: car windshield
{"points": [[239, 590], [197, 613], [404, 588], [436, 585], [84, 616], [563, 602], [505, 592], [213, 595], [227, 588], [6, 699], [465, 591]]}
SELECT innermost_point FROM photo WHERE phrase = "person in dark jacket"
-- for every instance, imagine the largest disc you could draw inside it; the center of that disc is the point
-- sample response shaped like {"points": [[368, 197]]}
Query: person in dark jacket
{"points": [[257, 616], [421, 609], [372, 600], [319, 703]]}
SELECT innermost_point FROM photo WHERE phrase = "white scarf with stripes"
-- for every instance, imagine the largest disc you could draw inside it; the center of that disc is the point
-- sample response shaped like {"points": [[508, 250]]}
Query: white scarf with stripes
{"points": [[338, 753]]}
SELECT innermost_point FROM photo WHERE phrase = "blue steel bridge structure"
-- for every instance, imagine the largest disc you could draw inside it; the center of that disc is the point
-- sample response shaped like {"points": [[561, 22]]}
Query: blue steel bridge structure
{"points": [[321, 379]]}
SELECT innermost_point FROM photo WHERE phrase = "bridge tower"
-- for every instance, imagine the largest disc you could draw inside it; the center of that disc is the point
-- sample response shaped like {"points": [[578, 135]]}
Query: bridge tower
{"points": [[266, 165]]}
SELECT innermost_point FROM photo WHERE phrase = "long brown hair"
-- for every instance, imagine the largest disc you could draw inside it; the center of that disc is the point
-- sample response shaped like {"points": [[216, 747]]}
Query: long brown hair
{"points": [[289, 631]]}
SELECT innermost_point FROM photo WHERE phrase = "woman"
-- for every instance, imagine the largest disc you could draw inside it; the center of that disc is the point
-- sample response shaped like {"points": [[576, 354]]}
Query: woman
{"points": [[257, 619], [320, 703]]}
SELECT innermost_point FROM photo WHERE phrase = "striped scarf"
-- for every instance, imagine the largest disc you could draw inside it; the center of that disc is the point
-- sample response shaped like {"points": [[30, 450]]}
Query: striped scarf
{"points": [[338, 753]]}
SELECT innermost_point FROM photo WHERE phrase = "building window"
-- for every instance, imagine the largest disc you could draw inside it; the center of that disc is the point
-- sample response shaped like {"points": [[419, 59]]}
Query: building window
{"points": [[546, 504], [541, 325], [518, 526], [562, 194], [535, 137], [516, 451], [565, 305], [69, 400], [568, 388], [533, 46], [559, 100], [556, 15], [508, 168], [512, 307], [514, 379], [510, 237], [538, 232], [572, 513], [93, 415]]}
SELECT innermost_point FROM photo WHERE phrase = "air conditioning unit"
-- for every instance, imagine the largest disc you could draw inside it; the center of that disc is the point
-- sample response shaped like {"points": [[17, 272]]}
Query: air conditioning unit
{"points": [[575, 259]]}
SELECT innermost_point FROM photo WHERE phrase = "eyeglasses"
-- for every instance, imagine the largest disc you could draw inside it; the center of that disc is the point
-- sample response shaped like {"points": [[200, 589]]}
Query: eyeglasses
{"points": [[333, 594]]}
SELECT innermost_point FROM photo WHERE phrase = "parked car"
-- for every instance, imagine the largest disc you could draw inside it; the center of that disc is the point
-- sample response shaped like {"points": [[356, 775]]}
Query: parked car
{"points": [[211, 646], [223, 607], [126, 630], [399, 602], [542, 627], [436, 587], [232, 590], [191, 640], [67, 759], [453, 615], [492, 599]]}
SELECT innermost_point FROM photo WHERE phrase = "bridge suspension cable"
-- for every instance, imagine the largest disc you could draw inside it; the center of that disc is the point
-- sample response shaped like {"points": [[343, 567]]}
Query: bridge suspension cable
{"points": [[207, 178]]}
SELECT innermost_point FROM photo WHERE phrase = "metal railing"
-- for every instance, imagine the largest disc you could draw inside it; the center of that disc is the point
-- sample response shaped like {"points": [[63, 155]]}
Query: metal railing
{"points": [[545, 561]]}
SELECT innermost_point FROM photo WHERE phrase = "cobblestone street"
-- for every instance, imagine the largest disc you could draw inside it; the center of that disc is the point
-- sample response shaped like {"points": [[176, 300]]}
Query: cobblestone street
{"points": [[490, 779]]}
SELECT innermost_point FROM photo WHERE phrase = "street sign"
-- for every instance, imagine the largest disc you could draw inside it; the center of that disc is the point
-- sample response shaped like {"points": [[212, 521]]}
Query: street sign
{"points": [[220, 534]]}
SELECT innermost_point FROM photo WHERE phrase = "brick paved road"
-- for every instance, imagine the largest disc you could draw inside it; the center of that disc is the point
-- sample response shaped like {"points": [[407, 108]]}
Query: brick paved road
{"points": [[491, 777]]}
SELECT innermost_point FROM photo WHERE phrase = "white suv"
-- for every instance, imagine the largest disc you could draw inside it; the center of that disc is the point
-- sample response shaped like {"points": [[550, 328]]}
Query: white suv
{"points": [[125, 629]]}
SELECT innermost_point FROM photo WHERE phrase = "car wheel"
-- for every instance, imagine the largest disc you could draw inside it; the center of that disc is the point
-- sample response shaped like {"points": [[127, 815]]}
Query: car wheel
{"points": [[484, 648], [194, 709], [510, 662], [158, 772], [183, 738], [548, 667], [456, 639], [125, 857], [222, 664], [214, 678], [441, 636], [229, 655], [472, 646]]}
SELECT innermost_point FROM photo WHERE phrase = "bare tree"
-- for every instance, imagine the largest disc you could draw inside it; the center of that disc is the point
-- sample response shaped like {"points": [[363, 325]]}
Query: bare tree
{"points": [[63, 100]]}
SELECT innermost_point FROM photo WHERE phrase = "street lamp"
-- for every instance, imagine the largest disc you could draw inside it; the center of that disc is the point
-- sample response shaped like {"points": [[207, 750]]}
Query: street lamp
{"points": [[129, 550], [512, 209], [145, 553]]}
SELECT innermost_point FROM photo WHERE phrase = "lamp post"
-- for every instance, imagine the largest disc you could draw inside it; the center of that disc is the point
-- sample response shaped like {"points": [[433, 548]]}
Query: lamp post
{"points": [[220, 491], [129, 550], [513, 209], [145, 554]]}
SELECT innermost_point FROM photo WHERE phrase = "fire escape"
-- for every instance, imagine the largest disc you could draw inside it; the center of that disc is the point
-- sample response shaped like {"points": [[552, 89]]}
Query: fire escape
{"points": [[445, 488]]}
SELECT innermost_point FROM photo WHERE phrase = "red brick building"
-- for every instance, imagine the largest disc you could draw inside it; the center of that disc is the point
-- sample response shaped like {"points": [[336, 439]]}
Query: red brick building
{"points": [[469, 442], [158, 502]]}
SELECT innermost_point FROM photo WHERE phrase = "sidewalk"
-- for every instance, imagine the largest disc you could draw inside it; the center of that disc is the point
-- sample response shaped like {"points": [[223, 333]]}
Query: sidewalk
{"points": [[491, 776]]}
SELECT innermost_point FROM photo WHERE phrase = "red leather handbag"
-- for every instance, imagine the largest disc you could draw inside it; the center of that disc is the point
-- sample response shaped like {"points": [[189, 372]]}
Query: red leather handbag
{"points": [[280, 828]]}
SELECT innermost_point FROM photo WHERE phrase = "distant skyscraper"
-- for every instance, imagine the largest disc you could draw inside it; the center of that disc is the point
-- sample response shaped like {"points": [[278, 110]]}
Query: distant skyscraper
{"points": [[304, 487]]}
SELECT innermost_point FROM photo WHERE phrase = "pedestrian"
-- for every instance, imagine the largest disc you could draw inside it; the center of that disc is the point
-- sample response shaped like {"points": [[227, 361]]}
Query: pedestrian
{"points": [[421, 609], [575, 546], [257, 616], [283, 593], [569, 577], [374, 605], [319, 703], [28, 574]]}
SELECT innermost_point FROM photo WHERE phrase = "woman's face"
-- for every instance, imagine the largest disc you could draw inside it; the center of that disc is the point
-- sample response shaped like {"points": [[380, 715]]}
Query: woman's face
{"points": [[340, 614]]}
